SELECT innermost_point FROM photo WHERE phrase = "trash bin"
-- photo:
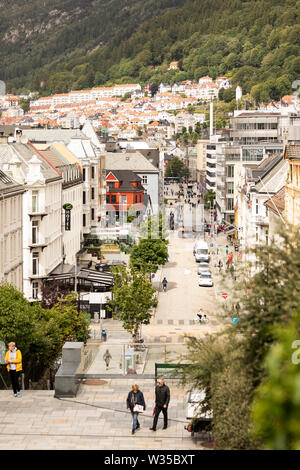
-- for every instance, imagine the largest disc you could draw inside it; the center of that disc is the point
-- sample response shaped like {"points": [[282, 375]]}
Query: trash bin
{"points": [[103, 335]]}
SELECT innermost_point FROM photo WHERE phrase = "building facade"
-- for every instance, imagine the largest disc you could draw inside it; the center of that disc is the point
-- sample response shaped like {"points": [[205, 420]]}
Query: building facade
{"points": [[11, 229]]}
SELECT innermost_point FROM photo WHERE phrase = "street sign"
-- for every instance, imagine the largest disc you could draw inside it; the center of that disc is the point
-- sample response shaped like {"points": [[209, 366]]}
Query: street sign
{"points": [[68, 206], [225, 295], [67, 220]]}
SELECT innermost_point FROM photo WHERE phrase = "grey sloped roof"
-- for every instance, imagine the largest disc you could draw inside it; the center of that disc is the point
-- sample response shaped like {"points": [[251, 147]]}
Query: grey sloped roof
{"points": [[274, 177], [27, 152], [24, 153], [52, 135], [134, 161], [8, 185]]}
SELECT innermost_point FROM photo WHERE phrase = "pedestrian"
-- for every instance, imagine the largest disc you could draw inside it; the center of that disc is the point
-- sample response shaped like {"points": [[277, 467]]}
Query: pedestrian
{"points": [[107, 357], [162, 399], [135, 402], [13, 359], [205, 319], [200, 317], [227, 249]]}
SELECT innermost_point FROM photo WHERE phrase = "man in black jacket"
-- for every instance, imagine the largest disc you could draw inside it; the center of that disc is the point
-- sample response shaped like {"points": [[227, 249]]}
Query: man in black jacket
{"points": [[162, 398]]}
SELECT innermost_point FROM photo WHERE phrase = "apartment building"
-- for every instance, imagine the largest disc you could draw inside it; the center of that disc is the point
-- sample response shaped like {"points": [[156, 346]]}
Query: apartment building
{"points": [[70, 169], [252, 138], [11, 227], [292, 190], [94, 190], [42, 202], [255, 186]]}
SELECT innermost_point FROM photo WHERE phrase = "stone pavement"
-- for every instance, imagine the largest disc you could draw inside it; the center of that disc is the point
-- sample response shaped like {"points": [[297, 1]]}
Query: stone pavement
{"points": [[96, 419]]}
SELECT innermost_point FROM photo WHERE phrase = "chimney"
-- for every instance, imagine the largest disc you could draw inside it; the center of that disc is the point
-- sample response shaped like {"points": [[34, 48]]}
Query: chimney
{"points": [[15, 169], [34, 174], [18, 135]]}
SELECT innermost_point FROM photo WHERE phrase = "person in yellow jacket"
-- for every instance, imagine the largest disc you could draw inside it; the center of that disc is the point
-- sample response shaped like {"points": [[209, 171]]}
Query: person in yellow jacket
{"points": [[13, 359]]}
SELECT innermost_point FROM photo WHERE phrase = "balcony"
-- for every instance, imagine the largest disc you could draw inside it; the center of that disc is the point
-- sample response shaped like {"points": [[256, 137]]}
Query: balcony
{"points": [[37, 213]]}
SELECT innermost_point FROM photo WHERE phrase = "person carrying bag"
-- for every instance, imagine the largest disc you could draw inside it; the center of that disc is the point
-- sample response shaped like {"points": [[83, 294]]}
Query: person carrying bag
{"points": [[135, 404]]}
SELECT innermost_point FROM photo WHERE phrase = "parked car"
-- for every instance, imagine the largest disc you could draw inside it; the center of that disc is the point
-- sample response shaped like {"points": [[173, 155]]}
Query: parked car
{"points": [[201, 251], [200, 420], [205, 279], [204, 267]]}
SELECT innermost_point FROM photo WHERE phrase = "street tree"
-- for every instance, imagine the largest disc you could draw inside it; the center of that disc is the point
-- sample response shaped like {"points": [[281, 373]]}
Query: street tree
{"points": [[176, 168], [133, 297], [148, 255]]}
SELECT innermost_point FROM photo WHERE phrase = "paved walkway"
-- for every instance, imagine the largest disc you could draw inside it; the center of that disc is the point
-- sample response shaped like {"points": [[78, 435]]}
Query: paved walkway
{"points": [[96, 419]]}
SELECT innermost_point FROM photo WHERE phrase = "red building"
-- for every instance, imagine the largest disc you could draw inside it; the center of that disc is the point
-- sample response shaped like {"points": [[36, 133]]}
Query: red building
{"points": [[124, 191]]}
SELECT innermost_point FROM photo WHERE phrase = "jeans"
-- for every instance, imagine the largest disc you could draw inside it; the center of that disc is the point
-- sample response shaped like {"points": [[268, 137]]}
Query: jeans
{"points": [[135, 420], [14, 377], [158, 409]]}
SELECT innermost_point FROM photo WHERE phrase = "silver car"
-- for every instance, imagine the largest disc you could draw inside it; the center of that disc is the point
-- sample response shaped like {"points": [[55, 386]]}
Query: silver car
{"points": [[203, 267], [205, 279]]}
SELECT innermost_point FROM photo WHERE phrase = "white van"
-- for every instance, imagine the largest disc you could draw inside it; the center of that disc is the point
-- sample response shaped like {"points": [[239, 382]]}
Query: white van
{"points": [[201, 251]]}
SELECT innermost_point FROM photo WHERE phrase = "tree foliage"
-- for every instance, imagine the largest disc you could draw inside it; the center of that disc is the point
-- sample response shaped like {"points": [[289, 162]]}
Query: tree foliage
{"points": [[148, 254], [133, 297], [176, 168], [276, 407], [39, 333], [249, 365], [255, 42]]}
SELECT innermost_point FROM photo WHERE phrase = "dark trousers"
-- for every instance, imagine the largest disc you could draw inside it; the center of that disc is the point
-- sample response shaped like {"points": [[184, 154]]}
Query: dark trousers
{"points": [[14, 378], [158, 409]]}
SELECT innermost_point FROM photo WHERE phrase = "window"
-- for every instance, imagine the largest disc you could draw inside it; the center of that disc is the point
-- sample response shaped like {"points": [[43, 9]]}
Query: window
{"points": [[35, 229], [108, 198], [113, 199], [35, 289], [230, 171], [230, 188], [256, 207], [230, 205], [35, 263], [93, 193], [84, 220], [92, 172], [93, 214], [145, 179], [84, 197], [35, 202], [83, 174]]}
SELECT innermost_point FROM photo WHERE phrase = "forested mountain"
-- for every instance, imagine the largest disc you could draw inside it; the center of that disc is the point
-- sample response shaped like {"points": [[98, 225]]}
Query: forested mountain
{"points": [[39, 36], [256, 42]]}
